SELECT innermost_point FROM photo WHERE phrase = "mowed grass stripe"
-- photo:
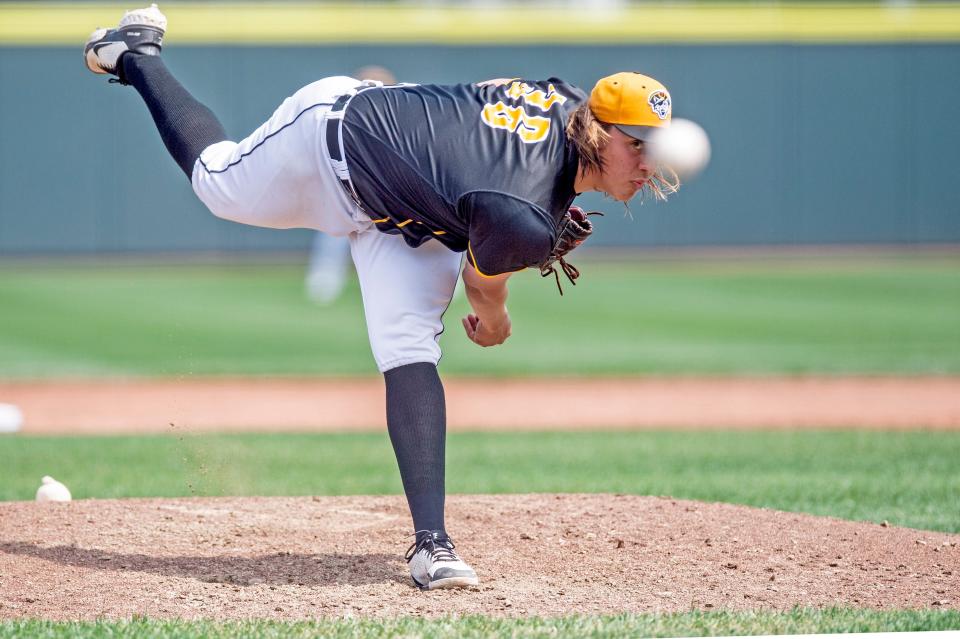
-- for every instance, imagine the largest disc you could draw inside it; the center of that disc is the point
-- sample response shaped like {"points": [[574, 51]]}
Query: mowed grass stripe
{"points": [[688, 624], [765, 317], [907, 478]]}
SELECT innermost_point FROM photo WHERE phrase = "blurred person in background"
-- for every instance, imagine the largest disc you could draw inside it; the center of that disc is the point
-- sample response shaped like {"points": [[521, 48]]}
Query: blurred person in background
{"points": [[488, 169]]}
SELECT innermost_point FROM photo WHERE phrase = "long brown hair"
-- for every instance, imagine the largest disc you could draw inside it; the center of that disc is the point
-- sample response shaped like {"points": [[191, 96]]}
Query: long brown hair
{"points": [[589, 135]]}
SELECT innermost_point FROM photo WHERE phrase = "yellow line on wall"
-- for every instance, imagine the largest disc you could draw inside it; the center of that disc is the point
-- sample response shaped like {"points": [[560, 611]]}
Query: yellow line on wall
{"points": [[291, 23]]}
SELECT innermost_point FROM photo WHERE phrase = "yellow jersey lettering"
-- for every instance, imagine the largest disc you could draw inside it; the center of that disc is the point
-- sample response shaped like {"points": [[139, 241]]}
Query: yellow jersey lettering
{"points": [[533, 129], [530, 128], [501, 116], [544, 101], [517, 90], [533, 96]]}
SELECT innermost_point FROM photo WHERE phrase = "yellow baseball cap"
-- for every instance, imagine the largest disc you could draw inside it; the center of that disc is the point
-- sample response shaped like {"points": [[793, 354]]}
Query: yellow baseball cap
{"points": [[634, 103]]}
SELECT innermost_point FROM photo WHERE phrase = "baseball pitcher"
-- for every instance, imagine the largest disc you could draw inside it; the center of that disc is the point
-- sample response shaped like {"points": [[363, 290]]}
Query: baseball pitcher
{"points": [[416, 176]]}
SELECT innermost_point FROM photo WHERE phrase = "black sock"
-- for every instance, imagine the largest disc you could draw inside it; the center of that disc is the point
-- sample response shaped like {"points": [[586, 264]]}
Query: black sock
{"points": [[186, 126], [417, 421]]}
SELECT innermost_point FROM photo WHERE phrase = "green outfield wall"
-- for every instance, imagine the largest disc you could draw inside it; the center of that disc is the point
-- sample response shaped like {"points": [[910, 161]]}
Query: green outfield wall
{"points": [[814, 142]]}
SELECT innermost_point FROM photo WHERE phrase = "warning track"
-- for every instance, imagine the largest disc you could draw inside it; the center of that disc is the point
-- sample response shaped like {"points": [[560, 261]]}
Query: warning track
{"points": [[201, 405]]}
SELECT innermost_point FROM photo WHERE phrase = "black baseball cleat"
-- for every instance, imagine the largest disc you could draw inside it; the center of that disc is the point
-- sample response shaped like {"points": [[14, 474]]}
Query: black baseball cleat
{"points": [[140, 31], [435, 564]]}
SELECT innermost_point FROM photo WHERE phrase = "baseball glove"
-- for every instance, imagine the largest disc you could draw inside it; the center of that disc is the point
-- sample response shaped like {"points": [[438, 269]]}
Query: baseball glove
{"points": [[574, 228]]}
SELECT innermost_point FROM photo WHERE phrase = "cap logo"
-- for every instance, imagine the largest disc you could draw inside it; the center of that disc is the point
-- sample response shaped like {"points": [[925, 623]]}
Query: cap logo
{"points": [[659, 102]]}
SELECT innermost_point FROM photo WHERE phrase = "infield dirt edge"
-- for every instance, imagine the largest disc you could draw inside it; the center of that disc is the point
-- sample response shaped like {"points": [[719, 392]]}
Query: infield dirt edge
{"points": [[547, 555]]}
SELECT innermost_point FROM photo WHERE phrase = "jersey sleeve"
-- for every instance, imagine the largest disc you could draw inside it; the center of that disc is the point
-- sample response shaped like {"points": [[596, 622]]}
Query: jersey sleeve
{"points": [[506, 233]]}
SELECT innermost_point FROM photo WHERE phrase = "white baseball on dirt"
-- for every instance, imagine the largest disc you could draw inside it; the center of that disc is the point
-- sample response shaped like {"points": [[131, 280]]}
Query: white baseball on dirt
{"points": [[683, 146], [11, 419], [52, 490]]}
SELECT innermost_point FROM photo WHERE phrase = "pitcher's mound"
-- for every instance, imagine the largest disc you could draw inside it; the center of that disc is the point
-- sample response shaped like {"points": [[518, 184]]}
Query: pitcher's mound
{"points": [[295, 558]]}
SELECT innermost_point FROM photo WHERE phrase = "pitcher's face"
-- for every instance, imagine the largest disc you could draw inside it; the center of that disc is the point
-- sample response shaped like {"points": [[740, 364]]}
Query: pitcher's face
{"points": [[626, 168]]}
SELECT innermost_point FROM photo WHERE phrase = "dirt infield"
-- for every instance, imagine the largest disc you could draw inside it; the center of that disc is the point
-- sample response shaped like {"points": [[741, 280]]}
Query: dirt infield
{"points": [[91, 407], [294, 558]]}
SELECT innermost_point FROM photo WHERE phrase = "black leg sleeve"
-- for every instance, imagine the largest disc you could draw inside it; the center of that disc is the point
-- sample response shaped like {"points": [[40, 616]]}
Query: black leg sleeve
{"points": [[417, 421], [186, 126]]}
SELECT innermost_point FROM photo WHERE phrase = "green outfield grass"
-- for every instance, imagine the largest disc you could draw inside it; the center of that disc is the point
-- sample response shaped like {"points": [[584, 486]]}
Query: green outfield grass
{"points": [[764, 317], [909, 479], [775, 316], [690, 624]]}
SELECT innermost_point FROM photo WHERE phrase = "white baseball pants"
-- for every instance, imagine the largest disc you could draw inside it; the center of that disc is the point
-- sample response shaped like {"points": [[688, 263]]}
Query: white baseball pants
{"points": [[280, 176]]}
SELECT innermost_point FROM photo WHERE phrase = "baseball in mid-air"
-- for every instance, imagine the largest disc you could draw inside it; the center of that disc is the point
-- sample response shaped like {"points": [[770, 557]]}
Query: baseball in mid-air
{"points": [[52, 490], [683, 146]]}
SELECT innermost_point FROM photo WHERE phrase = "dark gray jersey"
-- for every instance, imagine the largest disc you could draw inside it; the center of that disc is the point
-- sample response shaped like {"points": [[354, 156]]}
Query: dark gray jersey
{"points": [[483, 169]]}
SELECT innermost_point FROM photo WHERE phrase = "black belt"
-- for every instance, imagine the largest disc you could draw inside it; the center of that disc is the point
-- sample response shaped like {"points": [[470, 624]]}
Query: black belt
{"points": [[333, 132], [333, 128]]}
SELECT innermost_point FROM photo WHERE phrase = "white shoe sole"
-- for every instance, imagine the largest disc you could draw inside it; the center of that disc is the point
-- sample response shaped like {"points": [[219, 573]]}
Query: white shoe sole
{"points": [[453, 582], [147, 17]]}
